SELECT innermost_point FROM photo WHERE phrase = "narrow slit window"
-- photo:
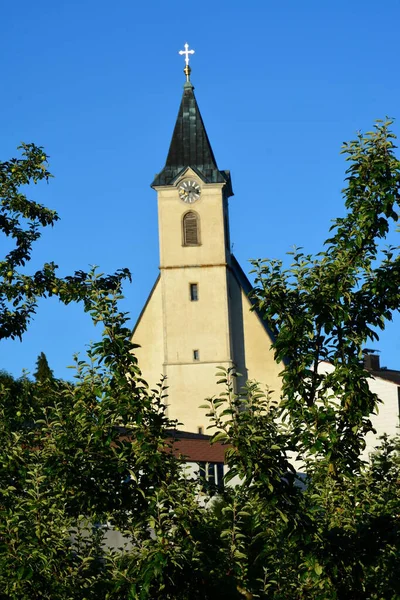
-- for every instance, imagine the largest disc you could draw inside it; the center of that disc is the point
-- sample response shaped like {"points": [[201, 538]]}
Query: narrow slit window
{"points": [[200, 430], [194, 292], [196, 355], [191, 226]]}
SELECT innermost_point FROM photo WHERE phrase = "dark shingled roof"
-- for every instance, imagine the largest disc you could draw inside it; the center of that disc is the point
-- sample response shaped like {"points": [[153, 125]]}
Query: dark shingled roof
{"points": [[190, 146], [387, 374]]}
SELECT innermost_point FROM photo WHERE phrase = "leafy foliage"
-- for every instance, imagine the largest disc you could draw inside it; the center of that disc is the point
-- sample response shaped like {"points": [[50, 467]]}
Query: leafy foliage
{"points": [[22, 221], [76, 456], [325, 308], [82, 461], [338, 537]]}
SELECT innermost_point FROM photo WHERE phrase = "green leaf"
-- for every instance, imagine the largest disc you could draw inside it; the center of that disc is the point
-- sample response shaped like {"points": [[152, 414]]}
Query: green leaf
{"points": [[318, 569], [219, 437]]}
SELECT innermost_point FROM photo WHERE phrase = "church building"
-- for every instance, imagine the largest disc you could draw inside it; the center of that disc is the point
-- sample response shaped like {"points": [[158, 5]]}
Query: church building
{"points": [[198, 316]]}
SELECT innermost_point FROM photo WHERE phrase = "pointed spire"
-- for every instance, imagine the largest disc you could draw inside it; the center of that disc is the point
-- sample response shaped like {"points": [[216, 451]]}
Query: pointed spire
{"points": [[190, 146]]}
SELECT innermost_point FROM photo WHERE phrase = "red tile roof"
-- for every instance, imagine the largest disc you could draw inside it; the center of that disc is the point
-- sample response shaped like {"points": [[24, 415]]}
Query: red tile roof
{"points": [[192, 447], [199, 450]]}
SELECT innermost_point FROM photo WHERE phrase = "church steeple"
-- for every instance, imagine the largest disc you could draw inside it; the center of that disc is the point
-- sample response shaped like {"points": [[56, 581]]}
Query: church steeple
{"points": [[197, 317], [190, 146]]}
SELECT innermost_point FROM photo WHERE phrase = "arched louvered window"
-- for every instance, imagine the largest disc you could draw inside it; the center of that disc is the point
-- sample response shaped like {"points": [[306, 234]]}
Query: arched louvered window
{"points": [[191, 229]]}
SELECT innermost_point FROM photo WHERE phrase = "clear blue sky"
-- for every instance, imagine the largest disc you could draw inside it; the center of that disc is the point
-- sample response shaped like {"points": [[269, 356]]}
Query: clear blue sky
{"points": [[280, 86]]}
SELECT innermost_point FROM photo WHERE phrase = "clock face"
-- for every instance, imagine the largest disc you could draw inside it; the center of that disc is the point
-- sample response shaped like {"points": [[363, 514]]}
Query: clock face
{"points": [[189, 191]]}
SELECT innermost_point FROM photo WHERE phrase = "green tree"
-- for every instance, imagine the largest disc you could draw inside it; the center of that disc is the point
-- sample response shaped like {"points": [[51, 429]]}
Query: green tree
{"points": [[43, 372], [62, 460], [22, 221], [339, 537], [77, 457], [326, 308], [65, 468]]}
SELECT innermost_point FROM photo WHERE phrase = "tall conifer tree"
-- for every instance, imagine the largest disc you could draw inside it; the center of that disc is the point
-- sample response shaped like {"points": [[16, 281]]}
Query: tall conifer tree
{"points": [[43, 372]]}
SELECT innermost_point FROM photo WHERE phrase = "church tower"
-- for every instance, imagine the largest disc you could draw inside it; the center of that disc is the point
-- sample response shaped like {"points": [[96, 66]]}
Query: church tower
{"points": [[198, 314]]}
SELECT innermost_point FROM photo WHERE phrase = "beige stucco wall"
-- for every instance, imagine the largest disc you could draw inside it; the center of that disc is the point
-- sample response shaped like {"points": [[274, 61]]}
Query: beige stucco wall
{"points": [[190, 385], [219, 325], [259, 355], [169, 332], [251, 342], [149, 335], [201, 325], [209, 208], [387, 418]]}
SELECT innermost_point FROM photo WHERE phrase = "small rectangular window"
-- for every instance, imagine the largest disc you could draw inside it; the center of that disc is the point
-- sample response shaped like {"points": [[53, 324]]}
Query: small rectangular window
{"points": [[211, 474], [200, 430], [194, 292], [196, 355], [220, 475]]}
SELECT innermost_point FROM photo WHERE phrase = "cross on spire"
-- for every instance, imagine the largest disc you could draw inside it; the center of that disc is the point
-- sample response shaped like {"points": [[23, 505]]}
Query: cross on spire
{"points": [[186, 52]]}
